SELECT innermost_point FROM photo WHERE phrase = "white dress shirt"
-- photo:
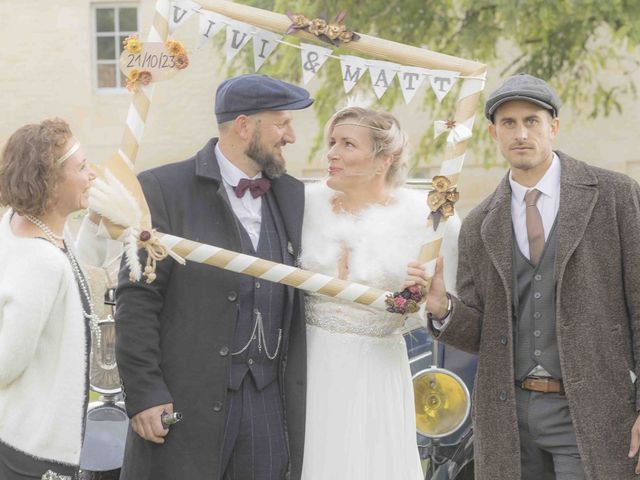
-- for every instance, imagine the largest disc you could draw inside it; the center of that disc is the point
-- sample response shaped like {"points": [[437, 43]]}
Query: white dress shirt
{"points": [[247, 209], [547, 204]]}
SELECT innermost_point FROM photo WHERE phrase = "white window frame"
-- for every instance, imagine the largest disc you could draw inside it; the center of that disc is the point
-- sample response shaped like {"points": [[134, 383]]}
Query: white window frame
{"points": [[94, 48]]}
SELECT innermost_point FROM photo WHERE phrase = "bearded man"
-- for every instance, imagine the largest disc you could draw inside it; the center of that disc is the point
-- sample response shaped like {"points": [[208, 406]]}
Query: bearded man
{"points": [[224, 349]]}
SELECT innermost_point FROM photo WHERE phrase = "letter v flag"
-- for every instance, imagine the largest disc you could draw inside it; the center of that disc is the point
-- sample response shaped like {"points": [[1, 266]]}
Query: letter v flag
{"points": [[238, 35], [353, 69], [180, 12]]}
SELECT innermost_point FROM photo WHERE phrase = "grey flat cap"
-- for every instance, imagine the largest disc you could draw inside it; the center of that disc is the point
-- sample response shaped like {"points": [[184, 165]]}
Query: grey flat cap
{"points": [[249, 94], [523, 87]]}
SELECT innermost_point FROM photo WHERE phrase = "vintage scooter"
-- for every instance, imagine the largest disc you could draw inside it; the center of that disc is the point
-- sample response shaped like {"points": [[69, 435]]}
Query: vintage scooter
{"points": [[106, 420]]}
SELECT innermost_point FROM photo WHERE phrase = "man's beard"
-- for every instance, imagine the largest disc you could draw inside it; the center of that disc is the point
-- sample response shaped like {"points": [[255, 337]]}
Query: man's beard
{"points": [[269, 163]]}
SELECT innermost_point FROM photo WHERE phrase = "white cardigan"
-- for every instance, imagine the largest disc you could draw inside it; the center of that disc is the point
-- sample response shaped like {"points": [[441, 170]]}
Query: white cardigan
{"points": [[43, 350]]}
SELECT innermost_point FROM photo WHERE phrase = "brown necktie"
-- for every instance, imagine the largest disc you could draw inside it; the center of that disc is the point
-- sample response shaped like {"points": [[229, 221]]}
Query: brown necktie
{"points": [[535, 230]]}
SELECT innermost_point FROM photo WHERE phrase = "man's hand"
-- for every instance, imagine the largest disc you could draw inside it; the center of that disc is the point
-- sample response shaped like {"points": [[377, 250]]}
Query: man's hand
{"points": [[148, 425], [437, 301], [635, 443]]}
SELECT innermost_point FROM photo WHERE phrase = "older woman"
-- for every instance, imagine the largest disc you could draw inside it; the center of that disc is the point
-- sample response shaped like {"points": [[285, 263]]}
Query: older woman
{"points": [[45, 307], [360, 225]]}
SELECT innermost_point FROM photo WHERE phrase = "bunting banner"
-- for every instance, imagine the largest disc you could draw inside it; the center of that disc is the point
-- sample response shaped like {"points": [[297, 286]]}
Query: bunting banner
{"points": [[313, 58], [210, 24], [382, 75], [411, 79], [442, 81], [238, 35], [264, 43], [181, 12], [353, 69]]}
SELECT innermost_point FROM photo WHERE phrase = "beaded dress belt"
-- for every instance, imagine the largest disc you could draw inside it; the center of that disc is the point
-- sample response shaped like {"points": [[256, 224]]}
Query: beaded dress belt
{"points": [[541, 384]]}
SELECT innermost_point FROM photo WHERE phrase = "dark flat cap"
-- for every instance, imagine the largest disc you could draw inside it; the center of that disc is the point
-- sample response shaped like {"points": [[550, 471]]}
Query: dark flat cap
{"points": [[523, 87], [249, 94]]}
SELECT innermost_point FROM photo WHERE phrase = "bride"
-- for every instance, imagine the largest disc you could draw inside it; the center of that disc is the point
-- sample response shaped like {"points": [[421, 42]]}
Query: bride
{"points": [[362, 226]]}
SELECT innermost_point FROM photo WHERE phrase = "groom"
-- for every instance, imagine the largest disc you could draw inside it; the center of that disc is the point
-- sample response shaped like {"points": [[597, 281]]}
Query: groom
{"points": [[226, 350]]}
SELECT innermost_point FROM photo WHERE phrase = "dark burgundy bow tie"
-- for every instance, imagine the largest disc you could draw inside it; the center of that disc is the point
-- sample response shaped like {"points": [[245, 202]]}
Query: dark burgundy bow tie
{"points": [[258, 187]]}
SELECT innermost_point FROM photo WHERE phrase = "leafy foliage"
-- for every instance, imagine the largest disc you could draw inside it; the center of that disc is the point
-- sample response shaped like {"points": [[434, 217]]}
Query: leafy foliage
{"points": [[584, 48]]}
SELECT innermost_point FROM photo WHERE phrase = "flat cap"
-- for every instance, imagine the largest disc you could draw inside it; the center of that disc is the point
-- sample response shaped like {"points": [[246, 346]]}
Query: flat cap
{"points": [[249, 94], [523, 87]]}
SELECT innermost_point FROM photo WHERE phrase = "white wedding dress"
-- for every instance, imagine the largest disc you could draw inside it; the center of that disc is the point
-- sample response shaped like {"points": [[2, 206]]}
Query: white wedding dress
{"points": [[360, 422]]}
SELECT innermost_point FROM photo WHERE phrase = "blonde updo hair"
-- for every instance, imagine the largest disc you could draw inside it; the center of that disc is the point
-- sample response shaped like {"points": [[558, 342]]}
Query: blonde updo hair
{"points": [[385, 133], [29, 173]]}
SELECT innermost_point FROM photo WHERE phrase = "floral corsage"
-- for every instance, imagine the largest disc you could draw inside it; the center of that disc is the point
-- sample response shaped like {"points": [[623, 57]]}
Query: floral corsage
{"points": [[406, 301]]}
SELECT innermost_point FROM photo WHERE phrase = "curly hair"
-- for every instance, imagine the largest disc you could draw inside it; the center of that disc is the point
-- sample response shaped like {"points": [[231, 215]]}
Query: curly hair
{"points": [[29, 173], [386, 135]]}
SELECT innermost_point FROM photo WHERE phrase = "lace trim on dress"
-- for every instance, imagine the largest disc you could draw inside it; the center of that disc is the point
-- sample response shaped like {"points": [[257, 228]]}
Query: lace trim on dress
{"points": [[339, 316]]}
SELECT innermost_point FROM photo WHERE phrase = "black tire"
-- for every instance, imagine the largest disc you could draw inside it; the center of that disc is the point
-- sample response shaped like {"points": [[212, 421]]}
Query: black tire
{"points": [[108, 475]]}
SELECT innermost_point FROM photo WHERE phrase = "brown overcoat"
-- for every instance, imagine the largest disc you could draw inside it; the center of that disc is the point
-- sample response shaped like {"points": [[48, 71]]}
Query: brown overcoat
{"points": [[597, 319]]}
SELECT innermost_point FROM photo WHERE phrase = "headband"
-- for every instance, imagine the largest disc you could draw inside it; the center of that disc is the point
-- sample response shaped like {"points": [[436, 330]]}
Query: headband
{"points": [[361, 125], [74, 148]]}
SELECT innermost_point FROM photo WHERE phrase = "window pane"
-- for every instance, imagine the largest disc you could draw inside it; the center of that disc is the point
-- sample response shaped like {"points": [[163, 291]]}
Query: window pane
{"points": [[106, 48], [106, 76], [105, 19], [120, 45], [128, 19]]}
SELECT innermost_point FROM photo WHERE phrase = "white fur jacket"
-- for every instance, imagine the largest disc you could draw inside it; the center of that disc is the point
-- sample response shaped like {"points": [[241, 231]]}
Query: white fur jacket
{"points": [[43, 350], [381, 239]]}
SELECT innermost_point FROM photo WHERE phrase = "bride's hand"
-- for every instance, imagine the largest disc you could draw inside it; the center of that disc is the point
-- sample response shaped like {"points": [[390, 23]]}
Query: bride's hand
{"points": [[436, 299]]}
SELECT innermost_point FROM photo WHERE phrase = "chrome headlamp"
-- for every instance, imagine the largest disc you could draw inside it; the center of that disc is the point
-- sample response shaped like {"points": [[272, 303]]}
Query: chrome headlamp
{"points": [[442, 402]]}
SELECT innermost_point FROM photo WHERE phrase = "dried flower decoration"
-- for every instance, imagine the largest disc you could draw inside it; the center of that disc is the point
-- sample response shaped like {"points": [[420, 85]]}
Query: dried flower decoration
{"points": [[406, 301], [334, 33], [175, 48], [138, 77], [441, 199], [132, 44], [182, 61]]}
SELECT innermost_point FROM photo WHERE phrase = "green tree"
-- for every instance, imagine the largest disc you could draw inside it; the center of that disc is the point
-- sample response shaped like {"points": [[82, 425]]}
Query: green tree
{"points": [[587, 49]]}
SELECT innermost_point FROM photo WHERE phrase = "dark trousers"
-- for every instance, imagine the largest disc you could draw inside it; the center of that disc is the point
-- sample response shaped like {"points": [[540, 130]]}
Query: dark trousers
{"points": [[255, 446], [547, 437], [15, 465]]}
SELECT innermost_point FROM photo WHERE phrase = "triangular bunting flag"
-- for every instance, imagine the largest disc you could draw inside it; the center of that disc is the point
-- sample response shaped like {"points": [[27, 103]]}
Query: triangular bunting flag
{"points": [[313, 58], [442, 81], [238, 34], [180, 12], [353, 69], [264, 43], [382, 74], [411, 78], [210, 24]]}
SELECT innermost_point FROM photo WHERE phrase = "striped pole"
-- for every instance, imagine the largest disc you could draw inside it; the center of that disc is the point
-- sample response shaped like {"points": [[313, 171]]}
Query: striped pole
{"points": [[141, 101], [274, 272], [451, 167]]}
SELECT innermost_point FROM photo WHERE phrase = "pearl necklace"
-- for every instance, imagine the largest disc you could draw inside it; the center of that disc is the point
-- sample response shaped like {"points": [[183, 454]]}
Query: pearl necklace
{"points": [[85, 289]]}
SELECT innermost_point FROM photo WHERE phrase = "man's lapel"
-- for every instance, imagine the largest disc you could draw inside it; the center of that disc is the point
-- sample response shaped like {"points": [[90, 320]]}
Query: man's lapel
{"points": [[289, 195], [496, 232], [578, 196]]}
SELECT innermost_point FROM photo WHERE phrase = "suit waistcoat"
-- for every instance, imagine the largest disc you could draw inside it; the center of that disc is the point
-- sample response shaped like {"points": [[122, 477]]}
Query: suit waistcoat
{"points": [[259, 336], [534, 306]]}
